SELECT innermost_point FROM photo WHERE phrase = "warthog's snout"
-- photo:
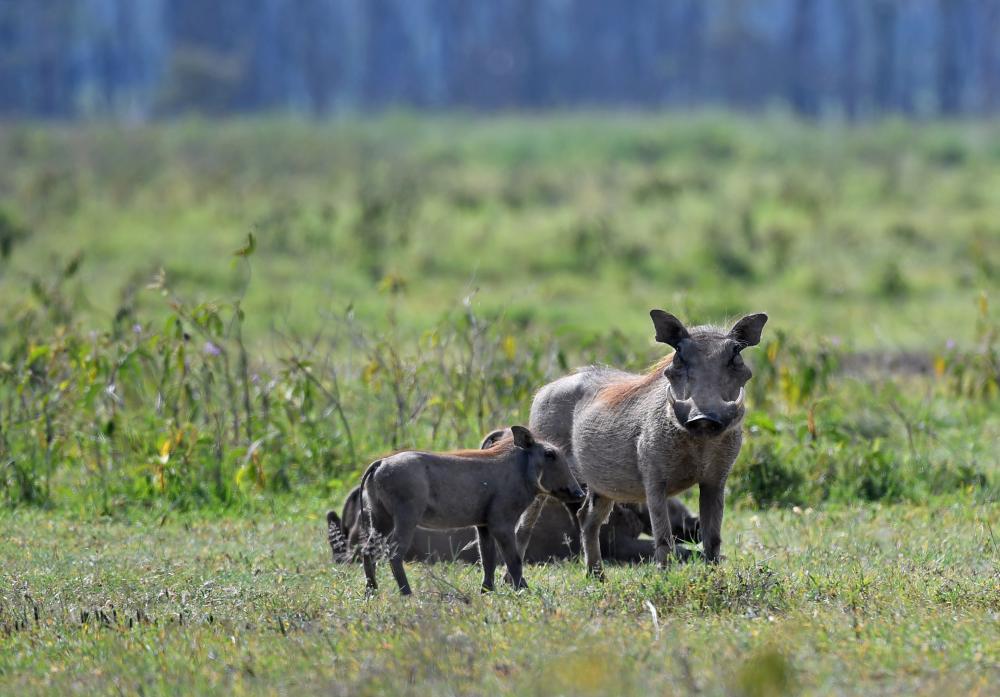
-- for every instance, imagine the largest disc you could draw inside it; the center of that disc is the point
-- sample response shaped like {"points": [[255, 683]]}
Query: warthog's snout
{"points": [[705, 424]]}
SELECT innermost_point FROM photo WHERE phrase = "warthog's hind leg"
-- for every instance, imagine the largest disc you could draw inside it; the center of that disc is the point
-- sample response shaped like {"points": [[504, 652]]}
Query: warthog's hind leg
{"points": [[379, 525], [402, 537]]}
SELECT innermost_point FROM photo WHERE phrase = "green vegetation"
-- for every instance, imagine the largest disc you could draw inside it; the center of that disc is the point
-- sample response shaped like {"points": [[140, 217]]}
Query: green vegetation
{"points": [[882, 236], [862, 600], [207, 330]]}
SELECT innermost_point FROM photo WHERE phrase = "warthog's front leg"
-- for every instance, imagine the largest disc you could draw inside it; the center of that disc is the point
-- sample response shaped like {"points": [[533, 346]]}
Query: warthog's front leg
{"points": [[659, 516], [711, 505], [592, 516], [506, 541], [487, 556]]}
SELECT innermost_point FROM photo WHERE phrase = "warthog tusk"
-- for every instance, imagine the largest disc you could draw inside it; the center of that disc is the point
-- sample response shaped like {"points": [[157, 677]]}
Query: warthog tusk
{"points": [[670, 393], [740, 398]]}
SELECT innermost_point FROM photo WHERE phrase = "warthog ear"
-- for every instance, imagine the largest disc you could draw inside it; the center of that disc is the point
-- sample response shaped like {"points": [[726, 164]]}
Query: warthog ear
{"points": [[522, 437], [492, 439], [747, 331], [669, 329]]}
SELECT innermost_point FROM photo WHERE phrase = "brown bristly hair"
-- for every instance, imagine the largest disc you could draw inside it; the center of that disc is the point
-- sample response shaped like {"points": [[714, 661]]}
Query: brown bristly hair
{"points": [[502, 446], [621, 391]]}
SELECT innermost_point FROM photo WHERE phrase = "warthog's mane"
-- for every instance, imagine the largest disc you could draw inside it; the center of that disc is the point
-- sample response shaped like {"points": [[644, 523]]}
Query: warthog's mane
{"points": [[620, 391], [501, 447]]}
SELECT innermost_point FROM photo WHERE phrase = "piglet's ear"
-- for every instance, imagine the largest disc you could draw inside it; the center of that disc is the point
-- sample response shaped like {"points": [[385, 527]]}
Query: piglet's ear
{"points": [[522, 437], [747, 331]]}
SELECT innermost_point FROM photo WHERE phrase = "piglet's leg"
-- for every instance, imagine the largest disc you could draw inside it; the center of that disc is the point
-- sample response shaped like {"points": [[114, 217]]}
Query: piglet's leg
{"points": [[504, 535], [379, 526], [402, 537], [368, 559], [487, 555]]}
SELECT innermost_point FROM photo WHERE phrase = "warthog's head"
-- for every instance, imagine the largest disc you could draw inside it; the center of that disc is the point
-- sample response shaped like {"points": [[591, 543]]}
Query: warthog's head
{"points": [[707, 374], [547, 467]]}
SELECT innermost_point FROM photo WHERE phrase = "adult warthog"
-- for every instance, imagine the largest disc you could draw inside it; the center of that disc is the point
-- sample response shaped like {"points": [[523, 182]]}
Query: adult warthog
{"points": [[644, 438]]}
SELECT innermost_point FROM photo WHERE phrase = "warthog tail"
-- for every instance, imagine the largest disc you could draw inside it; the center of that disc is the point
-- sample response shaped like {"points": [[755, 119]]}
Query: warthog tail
{"points": [[368, 473]]}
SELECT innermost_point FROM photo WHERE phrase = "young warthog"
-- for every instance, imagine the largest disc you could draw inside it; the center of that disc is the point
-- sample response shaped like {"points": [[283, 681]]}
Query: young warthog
{"points": [[643, 438], [488, 489]]}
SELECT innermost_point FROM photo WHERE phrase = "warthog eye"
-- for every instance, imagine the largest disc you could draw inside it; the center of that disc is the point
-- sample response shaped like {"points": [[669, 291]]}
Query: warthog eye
{"points": [[737, 359], [550, 455]]}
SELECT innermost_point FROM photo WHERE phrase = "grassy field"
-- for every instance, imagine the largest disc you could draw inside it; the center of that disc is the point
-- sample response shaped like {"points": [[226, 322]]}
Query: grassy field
{"points": [[574, 224], [859, 600], [208, 329]]}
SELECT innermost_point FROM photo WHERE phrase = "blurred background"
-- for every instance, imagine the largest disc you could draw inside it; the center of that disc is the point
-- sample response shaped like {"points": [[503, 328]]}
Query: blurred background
{"points": [[248, 245], [818, 58]]}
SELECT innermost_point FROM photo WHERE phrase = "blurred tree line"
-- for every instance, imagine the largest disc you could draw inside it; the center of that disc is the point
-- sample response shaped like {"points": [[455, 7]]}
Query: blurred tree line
{"points": [[848, 58]]}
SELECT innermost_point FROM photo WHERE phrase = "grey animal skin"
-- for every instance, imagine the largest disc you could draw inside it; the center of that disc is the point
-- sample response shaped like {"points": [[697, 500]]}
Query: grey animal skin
{"points": [[488, 489], [347, 533], [554, 533], [644, 438], [618, 538]]}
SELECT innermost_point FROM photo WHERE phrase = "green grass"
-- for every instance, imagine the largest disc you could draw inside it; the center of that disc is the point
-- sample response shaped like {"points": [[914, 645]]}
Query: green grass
{"points": [[863, 599], [883, 237], [169, 441]]}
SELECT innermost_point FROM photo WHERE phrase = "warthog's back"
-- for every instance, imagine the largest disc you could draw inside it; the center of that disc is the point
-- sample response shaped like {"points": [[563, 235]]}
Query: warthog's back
{"points": [[555, 405], [452, 487]]}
